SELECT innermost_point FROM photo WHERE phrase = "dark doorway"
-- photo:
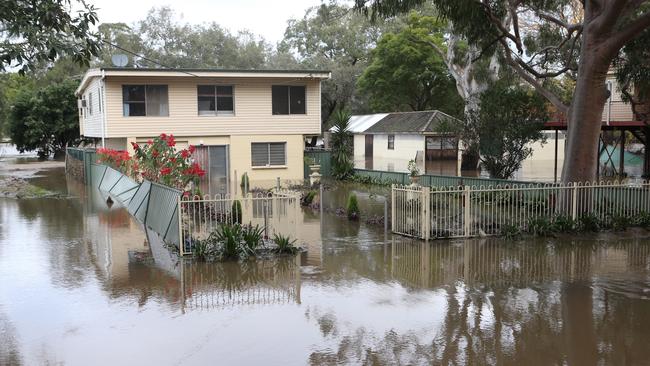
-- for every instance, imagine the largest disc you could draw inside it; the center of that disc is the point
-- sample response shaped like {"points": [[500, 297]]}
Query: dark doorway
{"points": [[214, 160], [369, 147]]}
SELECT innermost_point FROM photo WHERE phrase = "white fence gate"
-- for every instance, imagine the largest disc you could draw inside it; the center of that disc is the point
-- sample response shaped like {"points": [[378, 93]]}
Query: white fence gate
{"points": [[451, 212], [276, 212]]}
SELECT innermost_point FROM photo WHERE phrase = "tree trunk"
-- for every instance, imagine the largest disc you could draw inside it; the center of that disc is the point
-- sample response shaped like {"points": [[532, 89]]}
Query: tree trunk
{"points": [[585, 114]]}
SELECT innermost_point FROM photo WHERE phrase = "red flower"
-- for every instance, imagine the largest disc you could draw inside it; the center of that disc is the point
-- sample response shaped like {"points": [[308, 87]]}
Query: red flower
{"points": [[155, 153], [192, 148], [173, 160], [165, 171], [150, 142], [185, 154], [163, 136], [135, 146], [171, 142]]}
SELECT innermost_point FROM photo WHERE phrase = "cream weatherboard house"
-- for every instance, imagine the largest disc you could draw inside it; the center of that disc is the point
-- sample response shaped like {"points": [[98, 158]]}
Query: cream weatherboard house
{"points": [[241, 121]]}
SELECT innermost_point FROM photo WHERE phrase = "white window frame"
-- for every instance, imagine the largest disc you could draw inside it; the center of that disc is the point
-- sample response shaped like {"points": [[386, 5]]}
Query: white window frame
{"points": [[268, 155]]}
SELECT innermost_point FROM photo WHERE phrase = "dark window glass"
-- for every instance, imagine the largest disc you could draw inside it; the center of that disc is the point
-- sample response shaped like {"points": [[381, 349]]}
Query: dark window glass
{"points": [[391, 142], [145, 100], [213, 99], [277, 153], [280, 96], [297, 96]]}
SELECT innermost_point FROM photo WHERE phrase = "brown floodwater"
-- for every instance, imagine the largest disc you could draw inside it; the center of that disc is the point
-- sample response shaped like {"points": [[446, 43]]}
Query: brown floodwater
{"points": [[81, 285]]}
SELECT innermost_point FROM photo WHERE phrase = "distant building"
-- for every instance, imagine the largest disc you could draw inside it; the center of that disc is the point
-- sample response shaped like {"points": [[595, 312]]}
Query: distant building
{"points": [[241, 121], [388, 141]]}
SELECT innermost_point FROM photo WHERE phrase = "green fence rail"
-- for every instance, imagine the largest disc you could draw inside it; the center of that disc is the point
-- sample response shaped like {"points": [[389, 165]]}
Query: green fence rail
{"points": [[428, 180], [152, 204], [322, 158]]}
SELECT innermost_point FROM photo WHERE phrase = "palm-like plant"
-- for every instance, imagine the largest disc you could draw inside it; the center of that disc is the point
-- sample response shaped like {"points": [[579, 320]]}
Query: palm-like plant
{"points": [[342, 164]]}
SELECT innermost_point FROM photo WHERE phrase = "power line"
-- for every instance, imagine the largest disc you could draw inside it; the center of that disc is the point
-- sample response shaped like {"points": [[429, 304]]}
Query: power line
{"points": [[145, 58]]}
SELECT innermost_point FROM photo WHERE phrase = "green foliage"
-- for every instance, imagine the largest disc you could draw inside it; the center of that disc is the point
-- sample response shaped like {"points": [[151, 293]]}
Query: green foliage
{"points": [[633, 74], [252, 235], [341, 142], [620, 222], [245, 183], [236, 212], [539, 226], [406, 73], [229, 236], [510, 231], [284, 244], [39, 32], [588, 222], [563, 224], [510, 119], [642, 219], [308, 198], [353, 211], [46, 119]]}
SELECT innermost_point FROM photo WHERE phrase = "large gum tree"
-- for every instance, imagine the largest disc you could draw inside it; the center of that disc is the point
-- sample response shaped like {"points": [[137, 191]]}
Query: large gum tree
{"points": [[544, 39]]}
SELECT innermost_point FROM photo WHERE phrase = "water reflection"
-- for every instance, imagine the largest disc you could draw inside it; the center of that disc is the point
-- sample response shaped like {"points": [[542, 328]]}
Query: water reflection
{"points": [[77, 275]]}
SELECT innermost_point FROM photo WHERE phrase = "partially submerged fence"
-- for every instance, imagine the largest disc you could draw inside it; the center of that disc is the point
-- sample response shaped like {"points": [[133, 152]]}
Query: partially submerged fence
{"points": [[275, 212], [471, 211], [152, 204], [77, 162], [430, 180]]}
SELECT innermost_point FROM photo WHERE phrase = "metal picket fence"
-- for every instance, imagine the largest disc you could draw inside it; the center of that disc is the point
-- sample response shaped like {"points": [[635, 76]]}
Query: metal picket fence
{"points": [[275, 212], [457, 212]]}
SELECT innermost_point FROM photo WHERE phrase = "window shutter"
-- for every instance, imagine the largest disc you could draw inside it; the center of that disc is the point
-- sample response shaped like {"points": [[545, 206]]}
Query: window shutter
{"points": [[260, 154], [277, 153]]}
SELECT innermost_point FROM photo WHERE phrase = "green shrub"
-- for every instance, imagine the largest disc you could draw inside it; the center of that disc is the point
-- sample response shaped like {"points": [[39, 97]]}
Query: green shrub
{"points": [[252, 236], [245, 184], [353, 208], [229, 237], [284, 244], [308, 198], [236, 212], [620, 222], [510, 231], [204, 249], [588, 222], [539, 226], [563, 224], [642, 219]]}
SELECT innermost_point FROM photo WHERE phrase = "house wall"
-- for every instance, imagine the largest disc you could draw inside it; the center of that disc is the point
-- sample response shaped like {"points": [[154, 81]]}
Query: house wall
{"points": [[620, 111], [406, 148], [91, 124], [253, 113]]}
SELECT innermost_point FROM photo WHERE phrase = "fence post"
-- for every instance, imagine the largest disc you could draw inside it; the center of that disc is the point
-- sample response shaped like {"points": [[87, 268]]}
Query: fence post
{"points": [[386, 216], [277, 184], [320, 198], [392, 207], [467, 198], [426, 219], [574, 199], [181, 243]]}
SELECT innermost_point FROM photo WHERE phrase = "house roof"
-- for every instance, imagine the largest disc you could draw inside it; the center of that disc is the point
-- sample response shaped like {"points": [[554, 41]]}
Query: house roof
{"points": [[199, 73], [419, 122]]}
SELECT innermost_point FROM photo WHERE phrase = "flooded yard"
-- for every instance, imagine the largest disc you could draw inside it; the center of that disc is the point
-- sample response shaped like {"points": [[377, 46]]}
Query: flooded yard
{"points": [[80, 284]]}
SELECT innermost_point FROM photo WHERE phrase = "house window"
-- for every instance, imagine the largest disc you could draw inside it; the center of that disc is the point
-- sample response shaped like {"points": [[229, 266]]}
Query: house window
{"points": [[288, 99], [269, 153], [90, 104], [391, 142], [145, 100], [215, 99]]}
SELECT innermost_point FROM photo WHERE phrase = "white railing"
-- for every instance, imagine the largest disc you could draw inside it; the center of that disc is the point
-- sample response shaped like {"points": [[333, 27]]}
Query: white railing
{"points": [[276, 212], [479, 211]]}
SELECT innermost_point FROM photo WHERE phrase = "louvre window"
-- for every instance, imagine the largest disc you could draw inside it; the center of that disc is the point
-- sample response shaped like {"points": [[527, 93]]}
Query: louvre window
{"points": [[269, 154], [145, 100], [288, 99], [215, 99], [391, 142]]}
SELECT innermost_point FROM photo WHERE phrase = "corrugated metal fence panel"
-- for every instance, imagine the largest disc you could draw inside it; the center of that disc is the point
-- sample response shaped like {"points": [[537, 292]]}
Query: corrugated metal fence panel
{"points": [[138, 205], [124, 189], [96, 174], [161, 211], [111, 177], [75, 153]]}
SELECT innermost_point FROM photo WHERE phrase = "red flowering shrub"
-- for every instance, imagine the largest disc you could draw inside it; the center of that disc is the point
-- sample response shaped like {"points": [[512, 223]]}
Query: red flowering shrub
{"points": [[117, 159], [158, 161]]}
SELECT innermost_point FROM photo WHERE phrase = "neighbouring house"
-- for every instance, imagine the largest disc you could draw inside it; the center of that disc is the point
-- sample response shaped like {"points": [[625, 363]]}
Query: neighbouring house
{"points": [[388, 141], [241, 121]]}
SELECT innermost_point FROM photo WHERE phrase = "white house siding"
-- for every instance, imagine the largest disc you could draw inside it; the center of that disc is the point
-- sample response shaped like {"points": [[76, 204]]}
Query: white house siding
{"points": [[406, 148], [92, 123], [252, 99]]}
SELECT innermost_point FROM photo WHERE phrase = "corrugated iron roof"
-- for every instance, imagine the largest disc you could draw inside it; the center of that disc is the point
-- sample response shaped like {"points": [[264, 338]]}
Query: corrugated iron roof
{"points": [[417, 122]]}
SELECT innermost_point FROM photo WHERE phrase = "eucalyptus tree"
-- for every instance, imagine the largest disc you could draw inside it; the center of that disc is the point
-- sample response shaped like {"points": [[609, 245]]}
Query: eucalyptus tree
{"points": [[545, 39], [35, 32]]}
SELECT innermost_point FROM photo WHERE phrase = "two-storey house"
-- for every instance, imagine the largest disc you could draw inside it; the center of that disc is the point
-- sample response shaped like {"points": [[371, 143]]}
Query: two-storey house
{"points": [[241, 121]]}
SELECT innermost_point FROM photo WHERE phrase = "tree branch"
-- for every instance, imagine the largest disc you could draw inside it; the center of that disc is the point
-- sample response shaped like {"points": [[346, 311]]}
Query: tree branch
{"points": [[628, 33], [517, 67], [569, 27]]}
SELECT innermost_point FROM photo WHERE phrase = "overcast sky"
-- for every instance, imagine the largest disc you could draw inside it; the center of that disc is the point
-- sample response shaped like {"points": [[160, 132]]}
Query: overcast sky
{"points": [[267, 18]]}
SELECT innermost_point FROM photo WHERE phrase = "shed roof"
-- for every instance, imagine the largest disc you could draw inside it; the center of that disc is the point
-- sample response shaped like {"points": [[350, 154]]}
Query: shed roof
{"points": [[418, 122]]}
